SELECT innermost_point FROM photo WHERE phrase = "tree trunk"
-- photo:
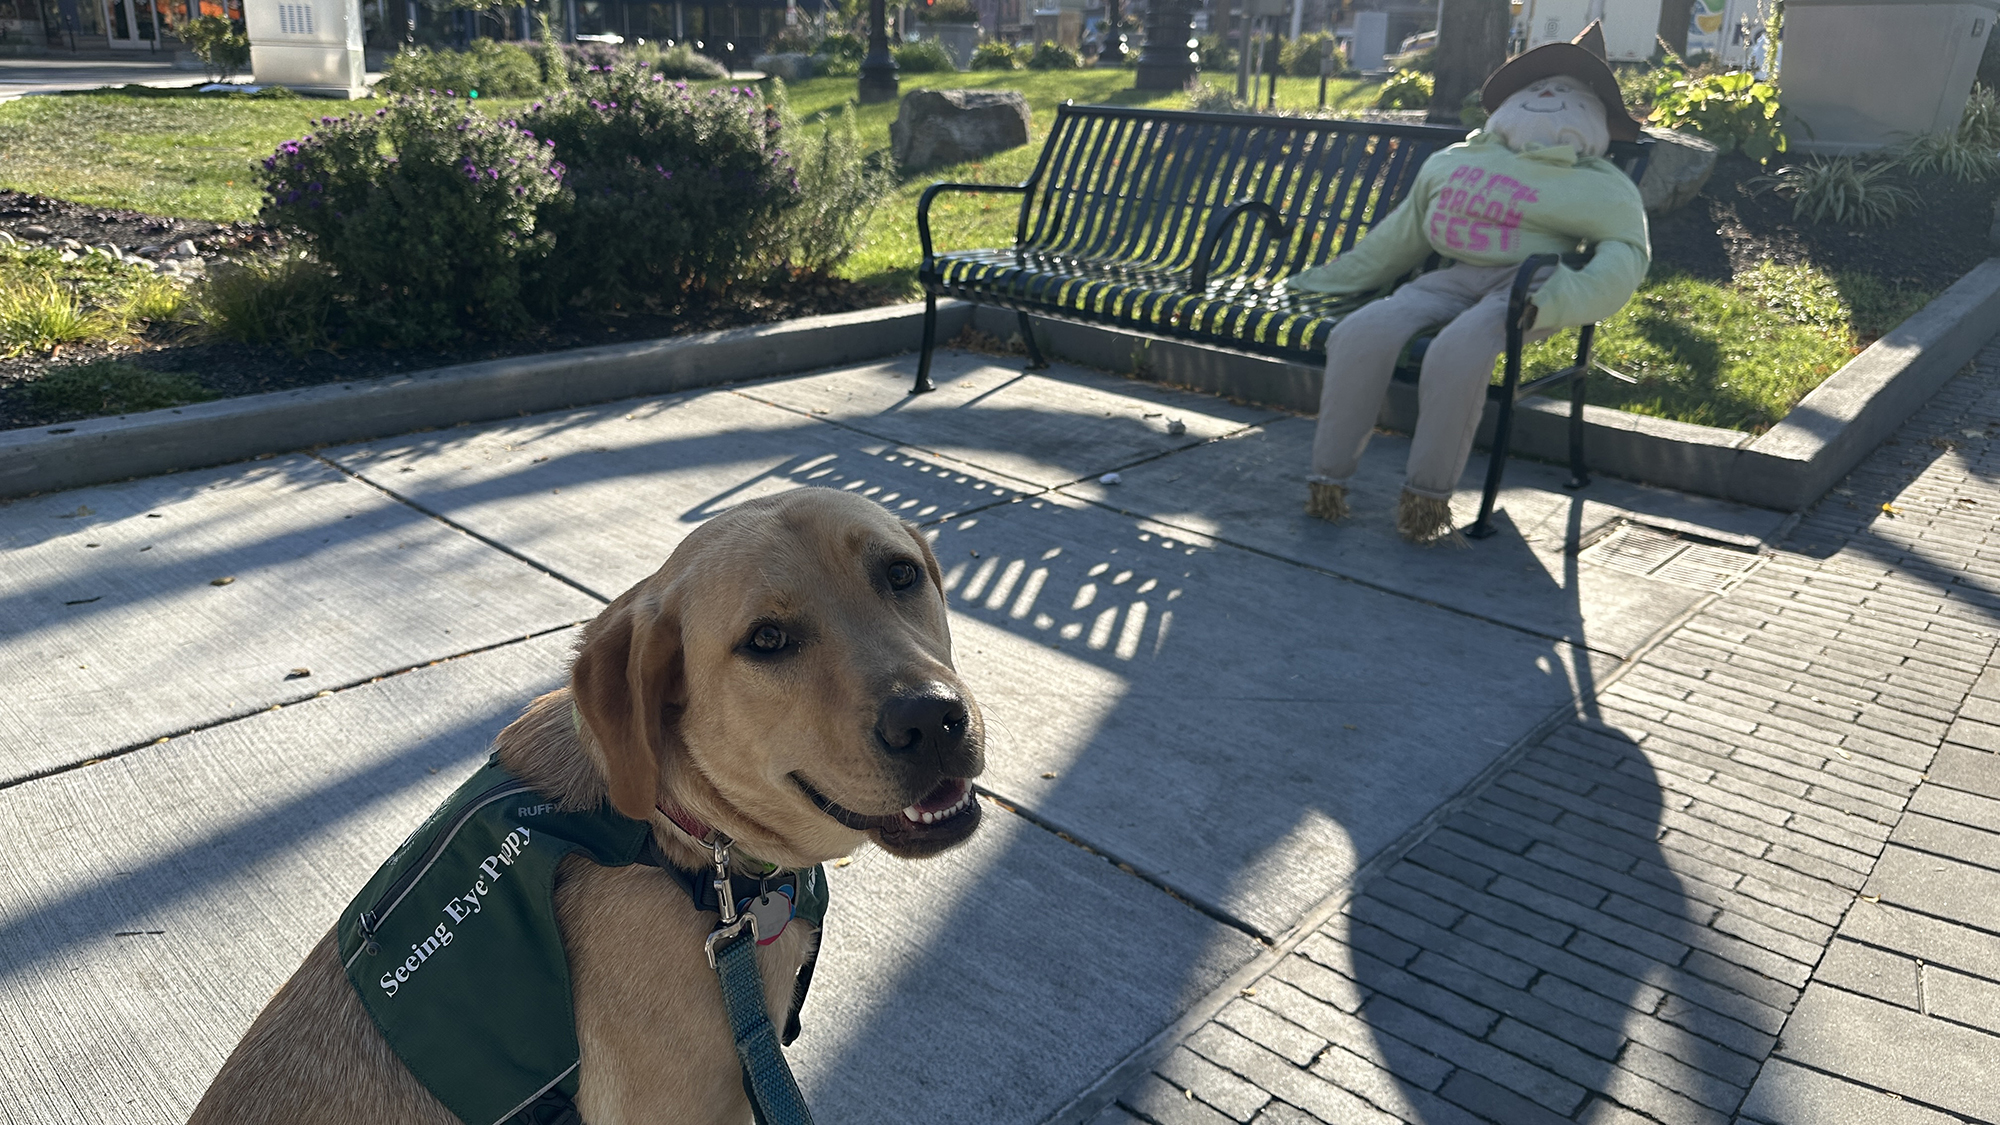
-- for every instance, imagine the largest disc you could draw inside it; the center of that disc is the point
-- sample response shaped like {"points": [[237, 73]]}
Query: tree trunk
{"points": [[1472, 43], [1674, 17]]}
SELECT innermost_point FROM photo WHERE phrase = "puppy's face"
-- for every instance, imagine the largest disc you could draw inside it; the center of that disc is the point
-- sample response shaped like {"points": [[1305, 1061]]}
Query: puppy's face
{"points": [[787, 677]]}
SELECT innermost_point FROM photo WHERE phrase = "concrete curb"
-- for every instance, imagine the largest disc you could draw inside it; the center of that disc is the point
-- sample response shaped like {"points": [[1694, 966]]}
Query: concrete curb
{"points": [[1787, 468], [214, 433]]}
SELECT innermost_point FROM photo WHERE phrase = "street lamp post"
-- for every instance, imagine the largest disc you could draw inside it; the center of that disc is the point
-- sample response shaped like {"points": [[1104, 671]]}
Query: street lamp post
{"points": [[1113, 53], [1168, 61], [878, 70]]}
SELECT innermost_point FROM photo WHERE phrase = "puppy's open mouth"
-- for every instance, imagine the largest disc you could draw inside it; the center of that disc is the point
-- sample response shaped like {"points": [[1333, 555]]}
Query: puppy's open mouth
{"points": [[943, 817]]}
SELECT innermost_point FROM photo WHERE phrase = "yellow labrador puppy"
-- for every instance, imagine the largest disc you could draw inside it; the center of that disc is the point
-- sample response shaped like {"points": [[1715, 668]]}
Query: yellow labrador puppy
{"points": [[785, 679]]}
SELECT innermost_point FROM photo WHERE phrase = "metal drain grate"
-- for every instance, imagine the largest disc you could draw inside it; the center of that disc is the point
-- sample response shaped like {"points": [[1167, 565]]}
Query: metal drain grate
{"points": [[1638, 549]]}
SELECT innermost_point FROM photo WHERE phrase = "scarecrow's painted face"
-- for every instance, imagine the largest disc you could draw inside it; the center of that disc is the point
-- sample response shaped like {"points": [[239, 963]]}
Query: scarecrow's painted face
{"points": [[1552, 111]]}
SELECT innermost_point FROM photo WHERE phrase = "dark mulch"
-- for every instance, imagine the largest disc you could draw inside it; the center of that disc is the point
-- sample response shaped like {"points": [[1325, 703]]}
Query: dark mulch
{"points": [[39, 218], [1731, 227]]}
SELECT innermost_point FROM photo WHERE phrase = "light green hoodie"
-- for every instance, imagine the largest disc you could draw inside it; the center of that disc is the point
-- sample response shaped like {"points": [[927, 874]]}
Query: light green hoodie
{"points": [[1483, 204]]}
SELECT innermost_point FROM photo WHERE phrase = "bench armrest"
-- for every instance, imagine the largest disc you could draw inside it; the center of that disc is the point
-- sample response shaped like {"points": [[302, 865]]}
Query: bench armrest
{"points": [[931, 192], [1198, 279]]}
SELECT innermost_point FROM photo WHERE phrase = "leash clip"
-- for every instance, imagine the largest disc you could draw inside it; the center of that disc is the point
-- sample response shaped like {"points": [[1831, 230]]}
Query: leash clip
{"points": [[732, 923]]}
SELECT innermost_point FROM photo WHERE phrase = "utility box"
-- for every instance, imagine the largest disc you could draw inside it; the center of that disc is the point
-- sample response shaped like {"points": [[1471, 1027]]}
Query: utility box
{"points": [[1858, 77], [1630, 26], [312, 46], [1369, 41]]}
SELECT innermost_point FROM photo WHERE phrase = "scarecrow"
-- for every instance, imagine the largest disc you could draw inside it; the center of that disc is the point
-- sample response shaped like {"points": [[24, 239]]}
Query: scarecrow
{"points": [[1533, 181]]}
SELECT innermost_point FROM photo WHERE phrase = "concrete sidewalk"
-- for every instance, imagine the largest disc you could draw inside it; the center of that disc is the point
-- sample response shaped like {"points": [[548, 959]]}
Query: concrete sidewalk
{"points": [[234, 690]]}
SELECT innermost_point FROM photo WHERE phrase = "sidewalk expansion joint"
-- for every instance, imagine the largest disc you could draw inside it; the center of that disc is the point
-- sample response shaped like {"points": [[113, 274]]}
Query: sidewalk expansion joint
{"points": [[1156, 882], [544, 570], [337, 689]]}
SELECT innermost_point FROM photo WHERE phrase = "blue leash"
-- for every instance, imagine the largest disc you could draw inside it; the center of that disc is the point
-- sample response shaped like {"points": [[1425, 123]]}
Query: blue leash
{"points": [[732, 953]]}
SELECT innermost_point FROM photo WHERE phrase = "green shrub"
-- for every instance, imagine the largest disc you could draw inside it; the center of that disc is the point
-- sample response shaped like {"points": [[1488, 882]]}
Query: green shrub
{"points": [[1301, 57], [684, 62], [425, 210], [828, 66], [486, 69], [1216, 55], [1841, 190], [112, 386], [839, 188], [1405, 89], [926, 56], [288, 301], [1050, 55], [994, 55], [843, 45], [664, 187], [223, 50], [949, 11], [1732, 110]]}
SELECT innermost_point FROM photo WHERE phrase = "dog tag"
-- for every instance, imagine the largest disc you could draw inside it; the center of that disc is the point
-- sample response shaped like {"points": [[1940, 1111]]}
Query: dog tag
{"points": [[773, 911]]}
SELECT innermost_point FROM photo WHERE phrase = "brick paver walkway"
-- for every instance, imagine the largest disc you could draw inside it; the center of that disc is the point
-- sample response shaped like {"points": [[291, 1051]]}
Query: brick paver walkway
{"points": [[1758, 879]]}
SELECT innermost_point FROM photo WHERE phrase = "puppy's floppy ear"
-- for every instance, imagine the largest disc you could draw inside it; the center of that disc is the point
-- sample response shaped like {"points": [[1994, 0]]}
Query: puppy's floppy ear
{"points": [[628, 685], [930, 558]]}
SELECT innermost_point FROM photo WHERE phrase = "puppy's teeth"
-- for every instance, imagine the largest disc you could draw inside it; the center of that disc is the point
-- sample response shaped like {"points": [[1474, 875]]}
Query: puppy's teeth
{"points": [[913, 814]]}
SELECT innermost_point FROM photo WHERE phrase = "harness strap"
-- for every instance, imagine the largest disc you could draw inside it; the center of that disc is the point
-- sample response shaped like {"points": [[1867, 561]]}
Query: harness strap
{"points": [[767, 1079]]}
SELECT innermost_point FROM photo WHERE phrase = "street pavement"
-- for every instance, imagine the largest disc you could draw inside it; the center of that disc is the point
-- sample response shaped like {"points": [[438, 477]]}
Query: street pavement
{"points": [[1621, 815], [57, 72]]}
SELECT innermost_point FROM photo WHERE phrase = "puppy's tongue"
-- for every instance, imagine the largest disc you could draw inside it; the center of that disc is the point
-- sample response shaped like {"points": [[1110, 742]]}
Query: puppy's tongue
{"points": [[949, 798]]}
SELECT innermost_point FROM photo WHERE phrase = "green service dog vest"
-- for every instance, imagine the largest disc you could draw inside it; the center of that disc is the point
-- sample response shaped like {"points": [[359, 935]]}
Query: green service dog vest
{"points": [[453, 946]]}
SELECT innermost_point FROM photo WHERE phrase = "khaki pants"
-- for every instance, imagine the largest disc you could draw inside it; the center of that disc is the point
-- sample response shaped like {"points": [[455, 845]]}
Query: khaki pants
{"points": [[1471, 303]]}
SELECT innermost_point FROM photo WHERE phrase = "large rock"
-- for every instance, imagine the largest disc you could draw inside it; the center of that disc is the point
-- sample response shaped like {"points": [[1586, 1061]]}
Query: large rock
{"points": [[953, 126], [790, 67], [1681, 163]]}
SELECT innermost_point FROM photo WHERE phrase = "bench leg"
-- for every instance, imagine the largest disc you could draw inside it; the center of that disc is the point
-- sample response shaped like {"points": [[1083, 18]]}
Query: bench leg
{"points": [[1035, 360], [1579, 474], [1503, 432], [924, 384]]}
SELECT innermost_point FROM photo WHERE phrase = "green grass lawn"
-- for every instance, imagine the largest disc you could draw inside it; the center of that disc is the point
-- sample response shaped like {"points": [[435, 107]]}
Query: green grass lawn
{"points": [[1737, 356]]}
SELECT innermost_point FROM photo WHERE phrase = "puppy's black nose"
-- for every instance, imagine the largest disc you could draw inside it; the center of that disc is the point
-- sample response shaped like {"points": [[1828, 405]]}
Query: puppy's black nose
{"points": [[928, 716]]}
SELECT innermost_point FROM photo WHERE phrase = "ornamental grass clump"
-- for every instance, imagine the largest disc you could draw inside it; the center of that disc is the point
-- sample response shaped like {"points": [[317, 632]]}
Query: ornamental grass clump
{"points": [[666, 188], [425, 211], [1841, 190]]}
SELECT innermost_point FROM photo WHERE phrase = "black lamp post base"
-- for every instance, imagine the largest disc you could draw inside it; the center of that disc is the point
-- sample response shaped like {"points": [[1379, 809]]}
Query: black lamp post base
{"points": [[1163, 76], [878, 83]]}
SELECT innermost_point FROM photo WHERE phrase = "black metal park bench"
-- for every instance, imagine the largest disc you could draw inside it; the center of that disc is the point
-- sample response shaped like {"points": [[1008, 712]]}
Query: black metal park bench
{"points": [[1184, 225]]}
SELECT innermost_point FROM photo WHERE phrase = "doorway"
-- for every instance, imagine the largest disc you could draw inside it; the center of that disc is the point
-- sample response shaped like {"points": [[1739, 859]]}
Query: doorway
{"points": [[132, 24]]}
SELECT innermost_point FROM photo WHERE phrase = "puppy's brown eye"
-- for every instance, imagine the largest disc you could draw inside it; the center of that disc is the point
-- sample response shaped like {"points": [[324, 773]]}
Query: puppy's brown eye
{"points": [[768, 638], [902, 575]]}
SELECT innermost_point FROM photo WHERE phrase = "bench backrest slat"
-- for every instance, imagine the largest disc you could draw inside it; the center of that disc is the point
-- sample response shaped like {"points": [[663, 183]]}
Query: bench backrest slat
{"points": [[1140, 186]]}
